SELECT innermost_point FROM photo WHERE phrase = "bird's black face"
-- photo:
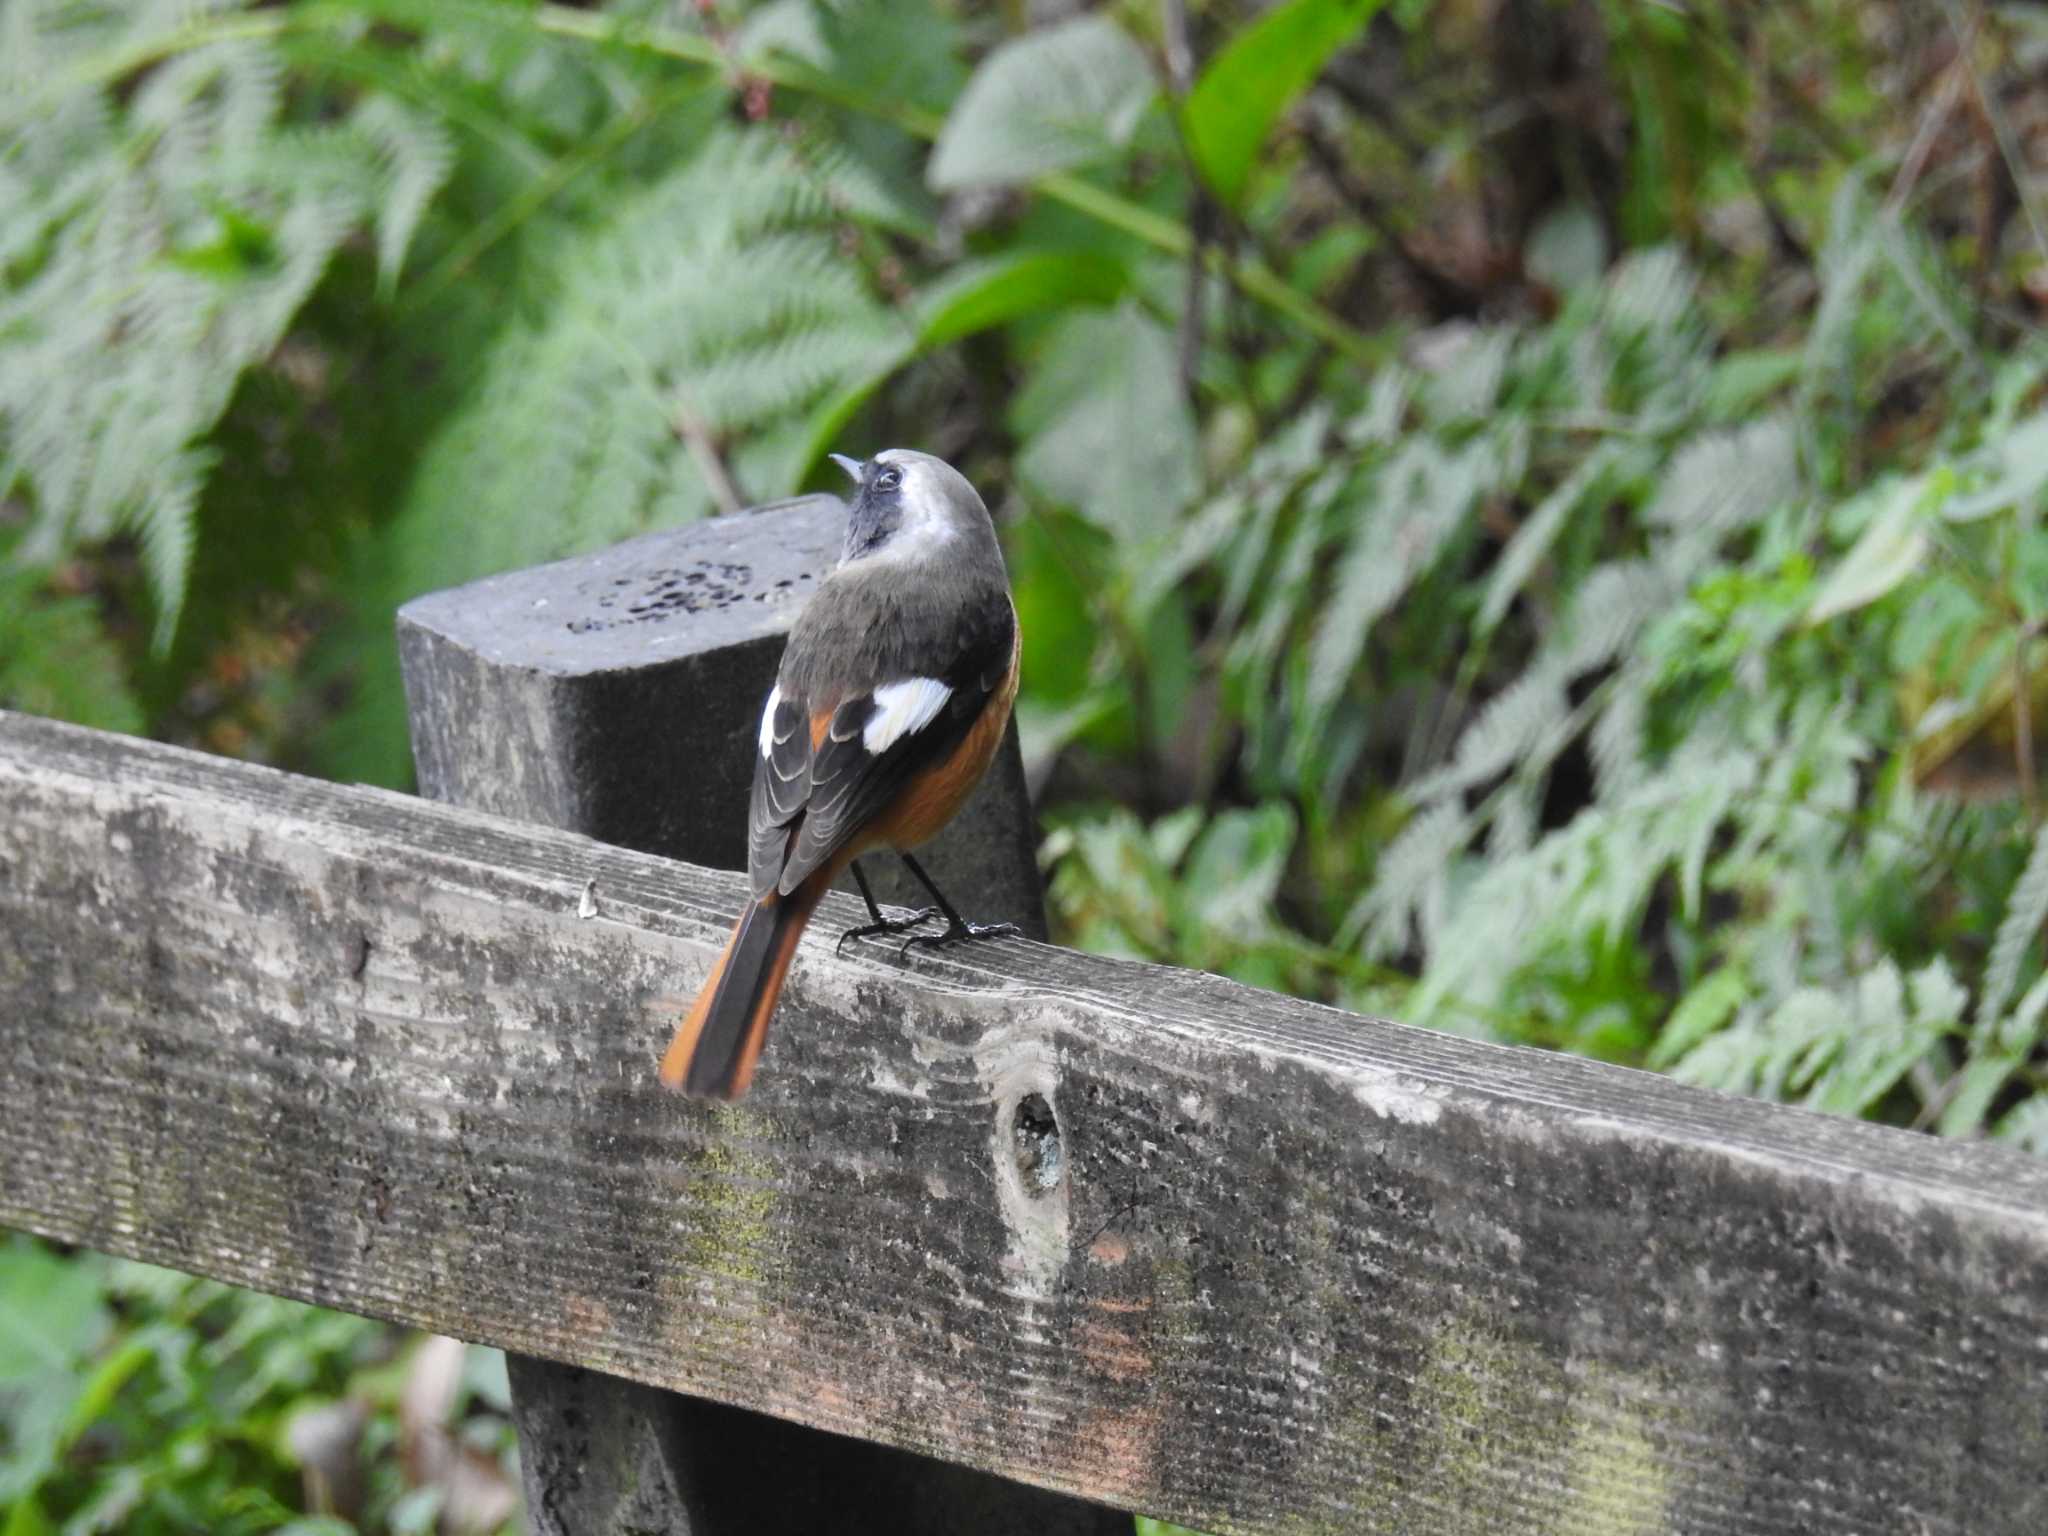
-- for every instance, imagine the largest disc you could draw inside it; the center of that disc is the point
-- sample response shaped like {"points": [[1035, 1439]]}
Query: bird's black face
{"points": [[877, 506]]}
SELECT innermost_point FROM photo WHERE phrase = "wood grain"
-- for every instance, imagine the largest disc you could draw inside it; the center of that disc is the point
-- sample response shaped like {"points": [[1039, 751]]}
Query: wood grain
{"points": [[1273, 1267]]}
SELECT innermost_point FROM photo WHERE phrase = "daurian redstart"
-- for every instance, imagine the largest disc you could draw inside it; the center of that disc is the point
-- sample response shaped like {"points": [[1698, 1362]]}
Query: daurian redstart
{"points": [[893, 695]]}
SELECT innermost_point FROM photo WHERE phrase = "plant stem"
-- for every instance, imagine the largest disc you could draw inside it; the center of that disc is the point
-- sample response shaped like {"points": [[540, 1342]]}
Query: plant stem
{"points": [[533, 197], [2023, 726]]}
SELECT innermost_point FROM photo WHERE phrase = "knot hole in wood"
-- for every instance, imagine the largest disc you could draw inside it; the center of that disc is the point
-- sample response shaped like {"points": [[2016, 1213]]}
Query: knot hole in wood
{"points": [[1035, 1137], [1028, 1147]]}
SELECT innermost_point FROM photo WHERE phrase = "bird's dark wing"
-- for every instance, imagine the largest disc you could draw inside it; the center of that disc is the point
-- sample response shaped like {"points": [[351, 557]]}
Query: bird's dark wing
{"points": [[782, 785], [822, 776]]}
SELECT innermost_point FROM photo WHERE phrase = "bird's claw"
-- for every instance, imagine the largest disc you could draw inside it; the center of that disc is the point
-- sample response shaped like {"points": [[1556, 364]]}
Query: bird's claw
{"points": [[888, 925], [959, 933]]}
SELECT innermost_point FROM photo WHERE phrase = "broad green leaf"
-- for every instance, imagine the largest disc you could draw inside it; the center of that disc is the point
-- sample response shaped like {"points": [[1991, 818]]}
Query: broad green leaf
{"points": [[96, 1394], [975, 297], [2017, 462], [1892, 548], [1174, 833], [981, 295], [1709, 1005], [1106, 428], [50, 1312], [1055, 581], [1568, 250], [1741, 381], [1048, 101], [1257, 77], [1234, 869]]}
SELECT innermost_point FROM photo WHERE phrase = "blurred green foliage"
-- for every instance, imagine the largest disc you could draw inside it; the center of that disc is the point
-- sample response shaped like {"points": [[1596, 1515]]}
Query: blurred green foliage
{"points": [[1526, 515], [137, 1400]]}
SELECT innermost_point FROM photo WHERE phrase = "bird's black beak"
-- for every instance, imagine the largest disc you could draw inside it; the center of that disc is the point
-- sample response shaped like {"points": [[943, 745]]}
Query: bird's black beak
{"points": [[853, 467]]}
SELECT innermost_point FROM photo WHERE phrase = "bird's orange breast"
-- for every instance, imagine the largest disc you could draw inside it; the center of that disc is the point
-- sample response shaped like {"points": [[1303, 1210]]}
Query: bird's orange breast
{"points": [[932, 798]]}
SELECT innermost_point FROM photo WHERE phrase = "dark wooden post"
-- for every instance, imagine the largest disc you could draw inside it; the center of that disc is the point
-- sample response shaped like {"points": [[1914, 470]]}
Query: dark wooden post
{"points": [[618, 695]]}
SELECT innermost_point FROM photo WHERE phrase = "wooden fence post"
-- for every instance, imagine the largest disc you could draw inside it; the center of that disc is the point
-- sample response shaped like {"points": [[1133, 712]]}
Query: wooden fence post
{"points": [[618, 694]]}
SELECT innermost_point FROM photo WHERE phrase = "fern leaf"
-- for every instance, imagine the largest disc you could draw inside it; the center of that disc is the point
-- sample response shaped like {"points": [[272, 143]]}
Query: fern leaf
{"points": [[718, 297], [2021, 1032], [2026, 909], [1591, 877], [1611, 607], [165, 516], [1705, 1008], [1894, 1027], [1424, 497], [415, 156], [1514, 725], [1650, 292], [1407, 893], [178, 235], [1532, 540], [1470, 365], [1617, 742], [2025, 1125], [1721, 481]]}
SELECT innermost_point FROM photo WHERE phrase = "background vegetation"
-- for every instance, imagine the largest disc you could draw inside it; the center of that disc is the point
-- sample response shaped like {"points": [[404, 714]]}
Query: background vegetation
{"points": [[1526, 513]]}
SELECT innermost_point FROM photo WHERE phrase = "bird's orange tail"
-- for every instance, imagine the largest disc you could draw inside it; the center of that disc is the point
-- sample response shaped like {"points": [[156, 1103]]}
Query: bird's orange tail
{"points": [[715, 1047]]}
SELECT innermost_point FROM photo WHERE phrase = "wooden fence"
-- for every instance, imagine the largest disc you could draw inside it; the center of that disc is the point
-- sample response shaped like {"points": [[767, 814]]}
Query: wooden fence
{"points": [[1143, 1238]]}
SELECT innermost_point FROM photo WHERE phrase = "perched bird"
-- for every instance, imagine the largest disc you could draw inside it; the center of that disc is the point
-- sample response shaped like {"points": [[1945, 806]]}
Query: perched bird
{"points": [[892, 698]]}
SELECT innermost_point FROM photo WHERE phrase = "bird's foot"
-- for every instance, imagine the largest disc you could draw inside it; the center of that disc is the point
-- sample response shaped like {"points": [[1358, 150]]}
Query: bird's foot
{"points": [[959, 933], [886, 926]]}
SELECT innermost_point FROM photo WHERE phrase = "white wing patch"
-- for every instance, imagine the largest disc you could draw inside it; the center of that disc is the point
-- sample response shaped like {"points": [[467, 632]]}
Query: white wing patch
{"points": [[768, 721], [902, 709]]}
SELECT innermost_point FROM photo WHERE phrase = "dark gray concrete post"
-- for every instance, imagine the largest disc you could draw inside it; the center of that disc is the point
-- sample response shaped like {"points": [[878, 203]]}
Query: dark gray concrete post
{"points": [[618, 694]]}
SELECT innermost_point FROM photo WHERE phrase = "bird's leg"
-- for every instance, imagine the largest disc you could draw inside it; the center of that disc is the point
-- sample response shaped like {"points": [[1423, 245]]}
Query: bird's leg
{"points": [[880, 924], [958, 930]]}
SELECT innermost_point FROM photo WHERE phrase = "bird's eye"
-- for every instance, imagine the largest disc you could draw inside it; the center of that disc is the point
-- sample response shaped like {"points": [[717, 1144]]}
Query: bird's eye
{"points": [[888, 479]]}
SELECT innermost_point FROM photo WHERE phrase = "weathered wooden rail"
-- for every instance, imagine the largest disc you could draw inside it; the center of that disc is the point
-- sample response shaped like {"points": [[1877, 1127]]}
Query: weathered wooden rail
{"points": [[1143, 1236]]}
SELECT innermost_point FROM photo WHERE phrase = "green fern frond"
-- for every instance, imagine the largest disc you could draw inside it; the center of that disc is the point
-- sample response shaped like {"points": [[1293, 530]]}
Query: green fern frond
{"points": [[715, 302], [1592, 876], [165, 517], [1837, 1049], [1407, 897], [2026, 1125], [1618, 740], [1719, 482], [174, 241], [1512, 727], [1420, 502], [2025, 911], [415, 156], [1614, 603], [1540, 529]]}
